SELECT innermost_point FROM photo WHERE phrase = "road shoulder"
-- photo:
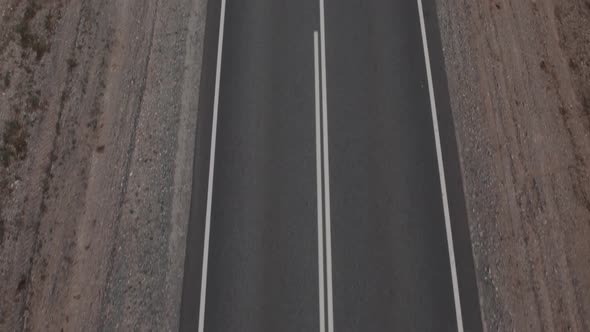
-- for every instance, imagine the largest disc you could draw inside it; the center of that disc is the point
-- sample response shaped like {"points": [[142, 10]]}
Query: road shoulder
{"points": [[522, 129]]}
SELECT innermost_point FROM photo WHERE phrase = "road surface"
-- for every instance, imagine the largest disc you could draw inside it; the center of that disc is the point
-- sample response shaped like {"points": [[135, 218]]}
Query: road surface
{"points": [[318, 202]]}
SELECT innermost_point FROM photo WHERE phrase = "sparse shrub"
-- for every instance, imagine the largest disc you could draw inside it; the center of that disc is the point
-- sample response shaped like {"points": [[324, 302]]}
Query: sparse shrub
{"points": [[49, 25], [14, 143], [72, 63], [34, 100], [1, 230], [31, 10], [40, 47], [7, 79], [4, 156], [29, 39]]}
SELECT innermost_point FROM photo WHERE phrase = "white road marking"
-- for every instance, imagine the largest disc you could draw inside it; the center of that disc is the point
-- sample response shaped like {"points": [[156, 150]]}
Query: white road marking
{"points": [[326, 173], [318, 146], [324, 111], [441, 171], [211, 172]]}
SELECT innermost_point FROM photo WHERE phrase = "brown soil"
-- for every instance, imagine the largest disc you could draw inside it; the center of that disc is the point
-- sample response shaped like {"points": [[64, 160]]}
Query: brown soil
{"points": [[97, 118], [519, 77]]}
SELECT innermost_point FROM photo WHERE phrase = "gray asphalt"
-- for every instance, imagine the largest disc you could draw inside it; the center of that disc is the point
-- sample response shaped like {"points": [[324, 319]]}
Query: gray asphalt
{"points": [[391, 268]]}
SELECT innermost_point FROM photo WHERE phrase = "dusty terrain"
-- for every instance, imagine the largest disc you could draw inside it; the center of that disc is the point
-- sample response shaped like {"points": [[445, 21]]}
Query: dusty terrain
{"points": [[519, 77], [97, 115]]}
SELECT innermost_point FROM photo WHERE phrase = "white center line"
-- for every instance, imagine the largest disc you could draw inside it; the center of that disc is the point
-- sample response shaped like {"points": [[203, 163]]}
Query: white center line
{"points": [[441, 171], [211, 172], [319, 182], [326, 173]]}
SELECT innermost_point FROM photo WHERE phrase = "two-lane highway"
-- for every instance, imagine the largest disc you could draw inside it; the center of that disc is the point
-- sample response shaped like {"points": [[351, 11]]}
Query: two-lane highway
{"points": [[320, 198]]}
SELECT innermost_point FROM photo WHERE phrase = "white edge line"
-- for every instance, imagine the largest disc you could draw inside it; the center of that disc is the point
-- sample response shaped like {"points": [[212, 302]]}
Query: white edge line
{"points": [[326, 173], [319, 184], [201, 326], [441, 170]]}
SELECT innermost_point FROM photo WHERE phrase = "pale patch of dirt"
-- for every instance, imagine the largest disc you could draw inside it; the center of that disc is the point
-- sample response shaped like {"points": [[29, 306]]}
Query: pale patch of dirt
{"points": [[519, 77]]}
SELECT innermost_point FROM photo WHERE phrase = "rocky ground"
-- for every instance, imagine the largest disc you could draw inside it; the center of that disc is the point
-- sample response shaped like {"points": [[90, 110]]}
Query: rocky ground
{"points": [[97, 115], [97, 118], [519, 77]]}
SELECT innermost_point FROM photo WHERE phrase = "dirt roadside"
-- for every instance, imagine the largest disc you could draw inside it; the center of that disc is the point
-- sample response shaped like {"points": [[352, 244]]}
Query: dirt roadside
{"points": [[97, 115], [519, 80]]}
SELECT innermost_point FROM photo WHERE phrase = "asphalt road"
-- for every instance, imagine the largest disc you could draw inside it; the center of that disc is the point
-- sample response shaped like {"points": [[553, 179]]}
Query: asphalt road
{"points": [[323, 208]]}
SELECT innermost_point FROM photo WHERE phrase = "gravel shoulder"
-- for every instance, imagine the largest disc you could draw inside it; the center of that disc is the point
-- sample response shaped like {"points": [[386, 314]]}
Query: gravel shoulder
{"points": [[98, 109], [519, 74]]}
